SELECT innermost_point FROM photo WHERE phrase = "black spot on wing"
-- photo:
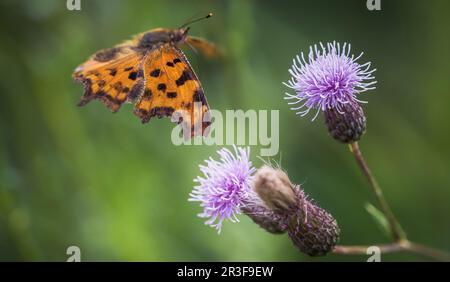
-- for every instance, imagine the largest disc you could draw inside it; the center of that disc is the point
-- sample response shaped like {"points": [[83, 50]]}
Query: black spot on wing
{"points": [[199, 96], [112, 72], [160, 112], [185, 76], [155, 73], [171, 95], [112, 103], [147, 94], [162, 87], [107, 54], [136, 90], [132, 75], [118, 86], [176, 61], [170, 64], [101, 83]]}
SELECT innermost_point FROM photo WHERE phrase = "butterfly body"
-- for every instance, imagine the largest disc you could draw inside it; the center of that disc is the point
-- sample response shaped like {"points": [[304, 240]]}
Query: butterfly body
{"points": [[158, 36], [151, 71]]}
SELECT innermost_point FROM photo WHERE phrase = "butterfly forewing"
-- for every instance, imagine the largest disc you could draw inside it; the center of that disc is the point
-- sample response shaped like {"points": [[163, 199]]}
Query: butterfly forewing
{"points": [[171, 85]]}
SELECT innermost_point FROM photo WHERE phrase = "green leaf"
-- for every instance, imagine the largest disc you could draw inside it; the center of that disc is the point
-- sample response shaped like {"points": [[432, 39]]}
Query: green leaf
{"points": [[379, 218]]}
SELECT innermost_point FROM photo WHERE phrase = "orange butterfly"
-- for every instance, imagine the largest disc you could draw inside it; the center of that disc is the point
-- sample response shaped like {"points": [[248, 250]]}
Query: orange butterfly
{"points": [[151, 71]]}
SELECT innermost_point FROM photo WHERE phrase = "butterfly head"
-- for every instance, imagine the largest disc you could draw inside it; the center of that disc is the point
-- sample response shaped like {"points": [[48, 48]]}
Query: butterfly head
{"points": [[179, 35], [163, 35]]}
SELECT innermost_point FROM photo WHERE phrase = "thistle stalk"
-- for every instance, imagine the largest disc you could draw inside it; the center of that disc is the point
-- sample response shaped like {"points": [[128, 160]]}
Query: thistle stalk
{"points": [[401, 243], [396, 229], [400, 246]]}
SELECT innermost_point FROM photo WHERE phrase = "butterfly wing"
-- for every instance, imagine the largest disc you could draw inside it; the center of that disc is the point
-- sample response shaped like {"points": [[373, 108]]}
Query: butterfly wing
{"points": [[207, 48], [172, 86], [113, 75]]}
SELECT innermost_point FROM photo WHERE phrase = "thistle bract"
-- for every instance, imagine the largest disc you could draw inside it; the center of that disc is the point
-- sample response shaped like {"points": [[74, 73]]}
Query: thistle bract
{"points": [[311, 228]]}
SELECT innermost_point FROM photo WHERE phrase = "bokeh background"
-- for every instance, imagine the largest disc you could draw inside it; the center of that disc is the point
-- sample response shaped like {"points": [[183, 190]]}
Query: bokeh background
{"points": [[118, 189]]}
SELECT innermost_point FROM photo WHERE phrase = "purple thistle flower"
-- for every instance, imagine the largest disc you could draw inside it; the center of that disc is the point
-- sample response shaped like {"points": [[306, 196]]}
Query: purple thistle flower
{"points": [[329, 79], [225, 186]]}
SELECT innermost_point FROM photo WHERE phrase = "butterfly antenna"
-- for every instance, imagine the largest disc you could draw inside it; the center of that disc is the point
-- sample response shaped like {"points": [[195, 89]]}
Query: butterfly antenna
{"points": [[196, 20]]}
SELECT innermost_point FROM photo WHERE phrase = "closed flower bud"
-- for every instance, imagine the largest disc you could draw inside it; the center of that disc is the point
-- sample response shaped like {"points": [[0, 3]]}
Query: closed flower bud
{"points": [[274, 188], [271, 221], [285, 207], [312, 229], [348, 124]]}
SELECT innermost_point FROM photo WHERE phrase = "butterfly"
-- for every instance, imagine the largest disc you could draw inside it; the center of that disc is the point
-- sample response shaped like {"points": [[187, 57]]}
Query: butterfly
{"points": [[151, 71]]}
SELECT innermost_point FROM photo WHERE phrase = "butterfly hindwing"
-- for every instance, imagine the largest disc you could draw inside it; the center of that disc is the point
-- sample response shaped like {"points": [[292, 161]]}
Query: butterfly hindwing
{"points": [[171, 85], [112, 75], [207, 48]]}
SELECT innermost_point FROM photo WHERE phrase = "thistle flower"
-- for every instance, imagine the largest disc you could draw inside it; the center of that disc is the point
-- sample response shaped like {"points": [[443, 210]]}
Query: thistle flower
{"points": [[329, 79], [224, 187]]}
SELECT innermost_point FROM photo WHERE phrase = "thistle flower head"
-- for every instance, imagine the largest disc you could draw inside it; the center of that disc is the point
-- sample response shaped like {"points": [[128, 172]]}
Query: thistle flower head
{"points": [[328, 79], [224, 187]]}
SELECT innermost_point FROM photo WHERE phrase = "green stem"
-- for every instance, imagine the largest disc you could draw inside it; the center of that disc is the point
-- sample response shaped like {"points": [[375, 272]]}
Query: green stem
{"points": [[395, 228], [400, 246], [426, 251], [400, 242]]}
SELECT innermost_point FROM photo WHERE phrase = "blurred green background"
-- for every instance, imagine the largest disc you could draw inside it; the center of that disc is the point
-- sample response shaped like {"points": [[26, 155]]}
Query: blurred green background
{"points": [[118, 189]]}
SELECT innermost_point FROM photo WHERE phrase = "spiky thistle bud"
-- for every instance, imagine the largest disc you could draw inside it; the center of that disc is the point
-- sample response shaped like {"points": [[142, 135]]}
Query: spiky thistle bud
{"points": [[273, 222], [348, 124], [286, 208], [312, 229]]}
